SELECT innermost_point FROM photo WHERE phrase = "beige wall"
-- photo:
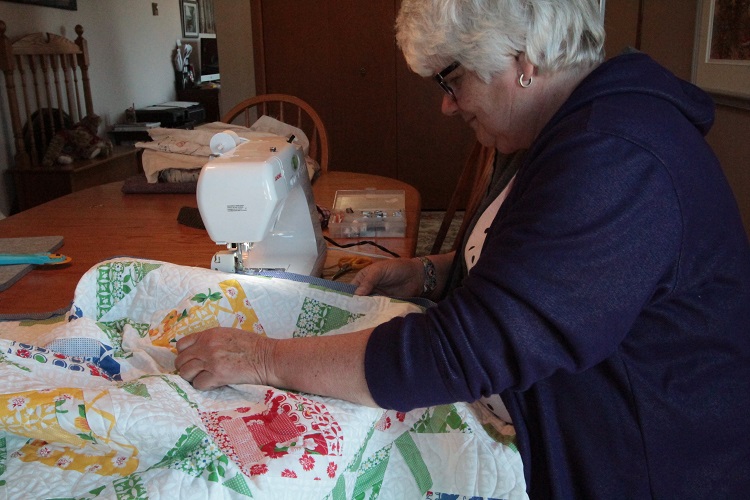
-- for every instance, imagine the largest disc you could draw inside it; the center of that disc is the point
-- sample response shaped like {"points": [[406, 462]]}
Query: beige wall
{"points": [[668, 35]]}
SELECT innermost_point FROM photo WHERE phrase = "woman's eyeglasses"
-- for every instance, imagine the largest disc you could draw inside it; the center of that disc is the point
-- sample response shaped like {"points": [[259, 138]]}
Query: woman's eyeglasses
{"points": [[440, 78]]}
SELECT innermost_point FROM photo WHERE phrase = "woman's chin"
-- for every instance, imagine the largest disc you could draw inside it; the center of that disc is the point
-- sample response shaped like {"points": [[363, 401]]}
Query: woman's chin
{"points": [[485, 139]]}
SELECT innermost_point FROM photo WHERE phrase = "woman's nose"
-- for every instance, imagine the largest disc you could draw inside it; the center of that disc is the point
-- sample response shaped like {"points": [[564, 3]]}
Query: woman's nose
{"points": [[449, 106]]}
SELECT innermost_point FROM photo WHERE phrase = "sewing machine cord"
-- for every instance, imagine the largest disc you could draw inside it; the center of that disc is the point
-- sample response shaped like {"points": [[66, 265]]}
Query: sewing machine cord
{"points": [[364, 242]]}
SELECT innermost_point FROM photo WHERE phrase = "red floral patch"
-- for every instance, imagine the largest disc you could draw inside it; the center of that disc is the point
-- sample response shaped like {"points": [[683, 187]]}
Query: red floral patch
{"points": [[287, 424], [307, 462], [258, 469], [332, 469]]}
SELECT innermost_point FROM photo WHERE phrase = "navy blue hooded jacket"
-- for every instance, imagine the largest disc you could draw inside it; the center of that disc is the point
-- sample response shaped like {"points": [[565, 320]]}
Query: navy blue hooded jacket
{"points": [[610, 306]]}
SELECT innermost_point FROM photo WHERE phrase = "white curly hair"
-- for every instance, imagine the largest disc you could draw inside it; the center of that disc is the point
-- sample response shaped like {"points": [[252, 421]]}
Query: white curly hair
{"points": [[483, 35]]}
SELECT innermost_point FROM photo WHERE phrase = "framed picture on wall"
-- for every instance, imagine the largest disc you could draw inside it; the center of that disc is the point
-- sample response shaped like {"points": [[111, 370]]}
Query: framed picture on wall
{"points": [[190, 18], [721, 56], [57, 4]]}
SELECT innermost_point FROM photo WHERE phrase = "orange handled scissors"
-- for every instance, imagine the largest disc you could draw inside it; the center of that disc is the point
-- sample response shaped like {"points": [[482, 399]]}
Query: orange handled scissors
{"points": [[347, 264]]}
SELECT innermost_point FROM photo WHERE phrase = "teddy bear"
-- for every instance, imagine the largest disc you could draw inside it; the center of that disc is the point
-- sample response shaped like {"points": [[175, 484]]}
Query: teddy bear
{"points": [[79, 142]]}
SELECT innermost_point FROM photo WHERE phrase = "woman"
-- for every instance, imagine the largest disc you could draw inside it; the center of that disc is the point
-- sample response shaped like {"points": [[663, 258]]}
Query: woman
{"points": [[607, 298]]}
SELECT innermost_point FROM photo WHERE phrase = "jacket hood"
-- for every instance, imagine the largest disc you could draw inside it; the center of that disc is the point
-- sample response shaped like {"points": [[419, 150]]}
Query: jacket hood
{"points": [[636, 72]]}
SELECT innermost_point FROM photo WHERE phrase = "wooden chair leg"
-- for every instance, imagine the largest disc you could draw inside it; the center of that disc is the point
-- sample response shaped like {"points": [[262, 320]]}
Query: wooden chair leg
{"points": [[474, 179], [464, 179], [479, 186]]}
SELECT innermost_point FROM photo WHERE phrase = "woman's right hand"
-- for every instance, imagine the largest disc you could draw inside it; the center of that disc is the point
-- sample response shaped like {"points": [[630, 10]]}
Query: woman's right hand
{"points": [[392, 277]]}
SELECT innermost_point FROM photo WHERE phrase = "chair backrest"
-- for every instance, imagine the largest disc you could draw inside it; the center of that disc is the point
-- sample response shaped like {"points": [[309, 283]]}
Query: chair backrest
{"points": [[288, 109], [474, 180], [47, 85]]}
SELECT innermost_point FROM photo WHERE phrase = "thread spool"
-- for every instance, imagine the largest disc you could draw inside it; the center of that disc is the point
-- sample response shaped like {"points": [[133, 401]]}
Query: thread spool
{"points": [[222, 142]]}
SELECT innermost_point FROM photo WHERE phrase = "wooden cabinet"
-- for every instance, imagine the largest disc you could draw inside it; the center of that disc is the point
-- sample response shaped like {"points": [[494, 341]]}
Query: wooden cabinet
{"points": [[207, 97], [38, 185], [341, 57]]}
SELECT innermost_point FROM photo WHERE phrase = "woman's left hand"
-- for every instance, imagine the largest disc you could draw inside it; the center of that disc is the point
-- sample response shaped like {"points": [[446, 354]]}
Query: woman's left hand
{"points": [[221, 356]]}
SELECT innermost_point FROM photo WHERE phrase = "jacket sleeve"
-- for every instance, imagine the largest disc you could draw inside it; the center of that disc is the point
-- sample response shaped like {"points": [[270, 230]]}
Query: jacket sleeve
{"points": [[586, 238]]}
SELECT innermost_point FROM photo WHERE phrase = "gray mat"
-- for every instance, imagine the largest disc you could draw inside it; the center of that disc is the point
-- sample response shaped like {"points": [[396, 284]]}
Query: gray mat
{"points": [[37, 244], [139, 185]]}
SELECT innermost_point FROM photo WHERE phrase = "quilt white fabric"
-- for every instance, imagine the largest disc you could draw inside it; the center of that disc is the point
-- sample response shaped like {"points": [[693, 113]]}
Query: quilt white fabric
{"points": [[90, 406]]}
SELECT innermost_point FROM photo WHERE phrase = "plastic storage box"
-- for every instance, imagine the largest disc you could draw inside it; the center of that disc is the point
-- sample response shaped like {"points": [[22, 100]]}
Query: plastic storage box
{"points": [[371, 213]]}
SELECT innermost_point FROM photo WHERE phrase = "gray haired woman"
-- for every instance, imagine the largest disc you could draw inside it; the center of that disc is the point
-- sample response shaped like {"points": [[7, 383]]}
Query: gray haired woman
{"points": [[604, 297]]}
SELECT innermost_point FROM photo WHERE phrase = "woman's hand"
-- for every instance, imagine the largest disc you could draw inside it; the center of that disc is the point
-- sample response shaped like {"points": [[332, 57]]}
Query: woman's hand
{"points": [[328, 365], [392, 277], [221, 356], [403, 277]]}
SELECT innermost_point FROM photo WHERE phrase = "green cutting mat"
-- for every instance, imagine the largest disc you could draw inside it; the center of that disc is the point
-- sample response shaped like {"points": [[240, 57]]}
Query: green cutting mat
{"points": [[37, 244]]}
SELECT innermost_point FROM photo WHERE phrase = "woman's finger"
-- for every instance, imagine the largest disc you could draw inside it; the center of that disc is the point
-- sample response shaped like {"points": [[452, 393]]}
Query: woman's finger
{"points": [[205, 381], [187, 341], [189, 368]]}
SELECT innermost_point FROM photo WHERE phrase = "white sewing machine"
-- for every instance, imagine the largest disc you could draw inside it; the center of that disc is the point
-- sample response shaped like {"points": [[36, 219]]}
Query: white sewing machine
{"points": [[256, 198]]}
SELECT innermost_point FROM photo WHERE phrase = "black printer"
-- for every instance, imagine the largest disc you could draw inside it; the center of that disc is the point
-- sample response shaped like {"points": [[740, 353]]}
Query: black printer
{"points": [[172, 115]]}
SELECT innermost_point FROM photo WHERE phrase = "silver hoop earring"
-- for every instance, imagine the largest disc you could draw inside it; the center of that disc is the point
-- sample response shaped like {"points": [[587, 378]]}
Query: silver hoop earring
{"points": [[524, 84]]}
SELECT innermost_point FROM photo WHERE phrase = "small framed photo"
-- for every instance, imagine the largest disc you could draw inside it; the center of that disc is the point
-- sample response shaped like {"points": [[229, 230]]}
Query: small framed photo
{"points": [[721, 63], [190, 18]]}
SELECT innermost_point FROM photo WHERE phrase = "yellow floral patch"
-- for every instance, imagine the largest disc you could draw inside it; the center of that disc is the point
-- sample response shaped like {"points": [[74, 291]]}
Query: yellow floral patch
{"points": [[34, 414], [56, 421], [230, 306], [67, 458]]}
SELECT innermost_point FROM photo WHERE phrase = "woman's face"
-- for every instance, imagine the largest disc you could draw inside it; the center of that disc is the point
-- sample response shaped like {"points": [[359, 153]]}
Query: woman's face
{"points": [[499, 112]]}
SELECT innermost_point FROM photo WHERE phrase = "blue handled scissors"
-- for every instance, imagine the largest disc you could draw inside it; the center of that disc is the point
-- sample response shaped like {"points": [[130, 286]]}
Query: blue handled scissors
{"points": [[7, 259]]}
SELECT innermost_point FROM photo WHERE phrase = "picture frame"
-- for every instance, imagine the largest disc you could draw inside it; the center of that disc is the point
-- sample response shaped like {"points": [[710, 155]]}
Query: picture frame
{"points": [[721, 61], [190, 18], [56, 4]]}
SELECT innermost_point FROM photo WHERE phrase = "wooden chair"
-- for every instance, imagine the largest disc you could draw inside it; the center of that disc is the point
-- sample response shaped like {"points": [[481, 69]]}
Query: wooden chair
{"points": [[47, 84], [48, 90], [473, 182], [288, 109]]}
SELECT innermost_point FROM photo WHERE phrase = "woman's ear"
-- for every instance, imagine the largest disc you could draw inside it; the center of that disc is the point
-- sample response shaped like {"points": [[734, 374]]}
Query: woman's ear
{"points": [[524, 66]]}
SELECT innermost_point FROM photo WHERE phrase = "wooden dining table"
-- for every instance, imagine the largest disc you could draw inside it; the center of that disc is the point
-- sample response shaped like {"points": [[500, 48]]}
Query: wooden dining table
{"points": [[102, 222]]}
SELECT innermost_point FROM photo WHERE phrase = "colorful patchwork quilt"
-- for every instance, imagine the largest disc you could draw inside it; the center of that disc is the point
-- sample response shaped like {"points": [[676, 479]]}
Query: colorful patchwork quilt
{"points": [[91, 406]]}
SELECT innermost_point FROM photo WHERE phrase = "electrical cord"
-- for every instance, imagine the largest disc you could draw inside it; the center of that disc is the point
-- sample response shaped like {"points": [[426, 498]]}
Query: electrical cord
{"points": [[365, 242]]}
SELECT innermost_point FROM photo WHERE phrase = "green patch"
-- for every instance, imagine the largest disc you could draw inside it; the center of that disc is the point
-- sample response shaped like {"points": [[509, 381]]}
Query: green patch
{"points": [[6, 361], [136, 389], [413, 458], [113, 330], [440, 419], [131, 488], [318, 318], [179, 391], [238, 484], [203, 297], [371, 474], [3, 457], [115, 280], [197, 455]]}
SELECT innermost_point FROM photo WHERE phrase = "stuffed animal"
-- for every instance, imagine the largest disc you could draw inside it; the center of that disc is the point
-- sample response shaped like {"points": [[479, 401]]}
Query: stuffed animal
{"points": [[79, 142]]}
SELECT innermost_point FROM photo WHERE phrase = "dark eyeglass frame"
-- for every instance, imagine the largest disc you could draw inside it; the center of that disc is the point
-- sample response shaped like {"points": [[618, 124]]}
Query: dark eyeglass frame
{"points": [[440, 78]]}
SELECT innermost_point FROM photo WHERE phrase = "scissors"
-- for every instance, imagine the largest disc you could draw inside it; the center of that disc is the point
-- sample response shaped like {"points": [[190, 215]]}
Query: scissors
{"points": [[33, 258], [347, 264]]}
